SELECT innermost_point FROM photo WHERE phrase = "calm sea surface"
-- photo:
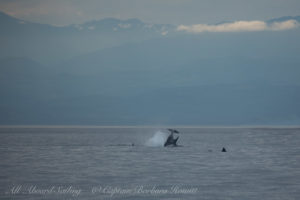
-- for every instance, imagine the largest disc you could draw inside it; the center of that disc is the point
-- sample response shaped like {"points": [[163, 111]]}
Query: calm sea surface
{"points": [[119, 163]]}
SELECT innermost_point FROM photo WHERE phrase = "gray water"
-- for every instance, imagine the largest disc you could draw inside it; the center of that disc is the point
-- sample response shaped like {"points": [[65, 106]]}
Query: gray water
{"points": [[116, 163]]}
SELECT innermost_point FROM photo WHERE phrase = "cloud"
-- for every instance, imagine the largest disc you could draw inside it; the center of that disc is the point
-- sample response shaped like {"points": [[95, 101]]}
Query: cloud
{"points": [[164, 33], [240, 26], [125, 26], [91, 28], [286, 25]]}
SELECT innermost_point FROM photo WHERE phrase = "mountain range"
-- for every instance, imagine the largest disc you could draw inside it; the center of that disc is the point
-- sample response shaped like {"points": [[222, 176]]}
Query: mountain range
{"points": [[52, 44], [127, 72]]}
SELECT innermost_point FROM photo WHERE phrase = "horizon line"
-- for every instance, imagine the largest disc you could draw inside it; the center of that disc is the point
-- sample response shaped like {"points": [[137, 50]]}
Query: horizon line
{"points": [[130, 18], [151, 126]]}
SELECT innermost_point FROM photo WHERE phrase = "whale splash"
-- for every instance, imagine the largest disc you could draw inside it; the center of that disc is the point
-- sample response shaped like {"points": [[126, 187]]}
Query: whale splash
{"points": [[157, 140]]}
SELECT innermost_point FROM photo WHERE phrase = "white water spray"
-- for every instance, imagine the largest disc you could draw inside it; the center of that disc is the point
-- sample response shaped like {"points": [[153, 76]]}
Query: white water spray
{"points": [[157, 140]]}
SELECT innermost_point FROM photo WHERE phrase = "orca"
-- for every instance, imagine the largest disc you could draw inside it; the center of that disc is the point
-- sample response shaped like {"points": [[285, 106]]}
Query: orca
{"points": [[171, 141]]}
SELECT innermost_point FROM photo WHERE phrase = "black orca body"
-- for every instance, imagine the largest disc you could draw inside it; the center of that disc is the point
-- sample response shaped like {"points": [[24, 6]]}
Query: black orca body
{"points": [[171, 141]]}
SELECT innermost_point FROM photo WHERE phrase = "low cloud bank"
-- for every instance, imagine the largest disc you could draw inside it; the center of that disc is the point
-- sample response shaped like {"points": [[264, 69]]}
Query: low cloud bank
{"points": [[240, 26]]}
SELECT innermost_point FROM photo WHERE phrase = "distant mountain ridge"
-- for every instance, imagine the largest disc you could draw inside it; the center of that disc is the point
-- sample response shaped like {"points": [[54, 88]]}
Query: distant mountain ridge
{"points": [[111, 24], [51, 44], [284, 18], [127, 72], [116, 25], [10, 23]]}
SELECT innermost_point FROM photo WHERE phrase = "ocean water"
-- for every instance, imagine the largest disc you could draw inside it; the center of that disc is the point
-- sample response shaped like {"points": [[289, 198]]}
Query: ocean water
{"points": [[121, 163]]}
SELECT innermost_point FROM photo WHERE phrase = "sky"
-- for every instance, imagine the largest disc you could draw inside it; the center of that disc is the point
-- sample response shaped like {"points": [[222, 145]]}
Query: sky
{"points": [[178, 12]]}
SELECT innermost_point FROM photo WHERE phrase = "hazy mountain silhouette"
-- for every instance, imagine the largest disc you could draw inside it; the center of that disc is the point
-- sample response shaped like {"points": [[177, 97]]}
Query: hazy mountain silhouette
{"points": [[145, 77], [50, 44]]}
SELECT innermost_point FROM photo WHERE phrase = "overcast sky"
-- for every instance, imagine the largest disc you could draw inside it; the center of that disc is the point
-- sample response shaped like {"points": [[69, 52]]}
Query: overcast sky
{"points": [[63, 12]]}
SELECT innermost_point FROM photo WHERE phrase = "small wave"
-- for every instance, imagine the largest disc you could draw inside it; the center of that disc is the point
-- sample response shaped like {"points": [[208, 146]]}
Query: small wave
{"points": [[122, 145]]}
